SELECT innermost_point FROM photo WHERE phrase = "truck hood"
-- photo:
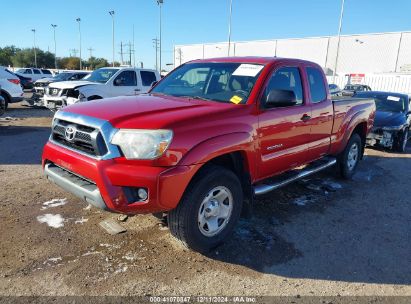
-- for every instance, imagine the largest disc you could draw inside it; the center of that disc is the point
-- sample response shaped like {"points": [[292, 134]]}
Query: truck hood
{"points": [[71, 84], [45, 80], [148, 111], [389, 119]]}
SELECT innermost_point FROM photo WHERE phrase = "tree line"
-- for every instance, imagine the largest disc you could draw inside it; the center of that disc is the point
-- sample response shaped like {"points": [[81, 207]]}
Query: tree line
{"points": [[24, 57]]}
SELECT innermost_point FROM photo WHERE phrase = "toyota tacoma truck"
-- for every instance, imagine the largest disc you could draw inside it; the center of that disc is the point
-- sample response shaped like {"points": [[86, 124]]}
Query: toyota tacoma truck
{"points": [[205, 141]]}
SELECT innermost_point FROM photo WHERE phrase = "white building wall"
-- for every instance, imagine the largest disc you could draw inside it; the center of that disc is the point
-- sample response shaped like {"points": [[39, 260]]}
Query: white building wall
{"points": [[365, 53]]}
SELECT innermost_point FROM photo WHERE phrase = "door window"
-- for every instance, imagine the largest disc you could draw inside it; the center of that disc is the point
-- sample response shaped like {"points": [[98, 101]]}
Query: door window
{"points": [[36, 71], [126, 78], [147, 78], [317, 87], [286, 79], [28, 71]]}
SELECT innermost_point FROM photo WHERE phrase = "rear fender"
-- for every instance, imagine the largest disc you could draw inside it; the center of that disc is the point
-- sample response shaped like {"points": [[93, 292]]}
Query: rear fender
{"points": [[345, 132]]}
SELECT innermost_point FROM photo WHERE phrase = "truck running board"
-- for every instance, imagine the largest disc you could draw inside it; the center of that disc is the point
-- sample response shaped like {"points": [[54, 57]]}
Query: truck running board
{"points": [[289, 177]]}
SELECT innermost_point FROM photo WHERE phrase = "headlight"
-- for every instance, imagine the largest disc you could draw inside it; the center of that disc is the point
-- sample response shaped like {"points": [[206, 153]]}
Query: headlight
{"points": [[142, 144], [81, 97]]}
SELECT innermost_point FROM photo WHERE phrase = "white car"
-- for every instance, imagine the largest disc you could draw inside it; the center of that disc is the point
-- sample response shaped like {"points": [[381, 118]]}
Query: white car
{"points": [[10, 86], [41, 84], [102, 83], [34, 74]]}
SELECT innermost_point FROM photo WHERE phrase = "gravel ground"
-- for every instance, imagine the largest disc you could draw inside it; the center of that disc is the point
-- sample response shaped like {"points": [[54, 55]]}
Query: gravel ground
{"points": [[321, 236]]}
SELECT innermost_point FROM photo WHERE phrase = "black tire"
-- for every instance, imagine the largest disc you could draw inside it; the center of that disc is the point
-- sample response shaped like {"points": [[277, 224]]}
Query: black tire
{"points": [[6, 99], [184, 222], [345, 164], [401, 142]]}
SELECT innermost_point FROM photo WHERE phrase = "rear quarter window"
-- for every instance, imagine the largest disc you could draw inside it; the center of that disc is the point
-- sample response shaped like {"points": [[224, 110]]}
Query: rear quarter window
{"points": [[316, 83], [147, 78], [46, 72]]}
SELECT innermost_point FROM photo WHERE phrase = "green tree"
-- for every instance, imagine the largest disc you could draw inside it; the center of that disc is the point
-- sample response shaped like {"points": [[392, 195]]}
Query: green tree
{"points": [[96, 63]]}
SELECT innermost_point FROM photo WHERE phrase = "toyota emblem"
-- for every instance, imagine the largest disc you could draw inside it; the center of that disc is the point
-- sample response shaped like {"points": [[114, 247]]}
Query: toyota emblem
{"points": [[70, 133]]}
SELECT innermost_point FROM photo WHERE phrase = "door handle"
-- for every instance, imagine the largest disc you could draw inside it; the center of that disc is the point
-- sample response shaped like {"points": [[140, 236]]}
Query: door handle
{"points": [[305, 117], [137, 90]]}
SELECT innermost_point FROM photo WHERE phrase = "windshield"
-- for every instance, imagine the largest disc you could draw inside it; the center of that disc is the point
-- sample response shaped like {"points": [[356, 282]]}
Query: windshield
{"points": [[221, 82], [62, 76], [386, 102], [102, 75]]}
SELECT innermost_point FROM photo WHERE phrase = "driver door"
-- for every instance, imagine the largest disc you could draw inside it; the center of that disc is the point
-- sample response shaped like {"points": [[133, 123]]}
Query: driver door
{"points": [[284, 132]]}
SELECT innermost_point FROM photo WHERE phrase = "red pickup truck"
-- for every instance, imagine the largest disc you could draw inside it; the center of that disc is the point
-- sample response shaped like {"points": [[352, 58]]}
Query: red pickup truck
{"points": [[205, 141]]}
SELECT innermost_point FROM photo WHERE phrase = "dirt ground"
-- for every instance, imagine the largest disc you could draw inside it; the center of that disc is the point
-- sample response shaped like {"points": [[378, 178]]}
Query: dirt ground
{"points": [[320, 236]]}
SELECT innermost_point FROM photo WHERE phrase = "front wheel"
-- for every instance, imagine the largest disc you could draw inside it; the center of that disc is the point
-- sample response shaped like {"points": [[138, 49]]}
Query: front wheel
{"points": [[401, 143], [350, 157], [209, 210]]}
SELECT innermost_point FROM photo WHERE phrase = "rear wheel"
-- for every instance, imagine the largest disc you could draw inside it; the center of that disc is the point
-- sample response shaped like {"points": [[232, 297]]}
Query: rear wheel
{"points": [[349, 158], [209, 210], [6, 99], [401, 142]]}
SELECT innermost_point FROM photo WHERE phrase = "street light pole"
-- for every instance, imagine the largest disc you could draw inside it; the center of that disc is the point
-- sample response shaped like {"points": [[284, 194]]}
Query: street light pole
{"points": [[339, 39], [112, 17], [55, 45], [35, 51], [79, 33], [160, 2], [229, 27]]}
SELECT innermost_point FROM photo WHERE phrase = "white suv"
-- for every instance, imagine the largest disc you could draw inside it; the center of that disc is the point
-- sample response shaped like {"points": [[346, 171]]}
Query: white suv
{"points": [[11, 89], [34, 74], [102, 83]]}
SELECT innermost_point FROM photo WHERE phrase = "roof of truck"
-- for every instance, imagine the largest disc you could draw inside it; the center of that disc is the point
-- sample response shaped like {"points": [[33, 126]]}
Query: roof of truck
{"points": [[249, 59]]}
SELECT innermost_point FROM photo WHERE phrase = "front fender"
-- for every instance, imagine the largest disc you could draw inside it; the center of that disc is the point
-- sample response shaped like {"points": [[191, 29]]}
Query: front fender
{"points": [[223, 144], [88, 91]]}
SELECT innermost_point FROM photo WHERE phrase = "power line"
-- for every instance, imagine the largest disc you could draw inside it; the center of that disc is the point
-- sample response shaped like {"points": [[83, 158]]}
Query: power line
{"points": [[90, 49]]}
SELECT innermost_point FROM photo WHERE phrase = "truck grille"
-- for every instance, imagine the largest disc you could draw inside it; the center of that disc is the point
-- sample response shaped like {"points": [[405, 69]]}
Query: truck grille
{"points": [[53, 91], [78, 137]]}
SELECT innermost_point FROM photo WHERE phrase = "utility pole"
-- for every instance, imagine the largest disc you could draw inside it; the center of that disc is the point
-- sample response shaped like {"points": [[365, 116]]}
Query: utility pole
{"points": [[229, 27], [134, 50], [121, 52], [79, 32], [34, 45], [112, 17], [55, 45], [130, 51], [156, 45], [90, 49], [74, 52], [160, 4], [339, 39]]}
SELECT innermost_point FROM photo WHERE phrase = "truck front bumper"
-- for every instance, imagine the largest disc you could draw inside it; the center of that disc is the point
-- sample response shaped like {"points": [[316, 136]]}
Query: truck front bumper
{"points": [[112, 184]]}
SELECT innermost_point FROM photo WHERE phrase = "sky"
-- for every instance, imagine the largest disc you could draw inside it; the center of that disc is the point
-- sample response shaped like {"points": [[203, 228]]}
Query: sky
{"points": [[187, 22]]}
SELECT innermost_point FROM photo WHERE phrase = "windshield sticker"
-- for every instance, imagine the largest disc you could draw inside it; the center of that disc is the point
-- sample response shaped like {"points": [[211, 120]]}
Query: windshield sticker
{"points": [[248, 70], [393, 98], [236, 99]]}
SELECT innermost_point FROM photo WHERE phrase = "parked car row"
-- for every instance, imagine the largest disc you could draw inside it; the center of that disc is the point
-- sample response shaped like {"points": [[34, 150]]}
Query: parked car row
{"points": [[102, 83]]}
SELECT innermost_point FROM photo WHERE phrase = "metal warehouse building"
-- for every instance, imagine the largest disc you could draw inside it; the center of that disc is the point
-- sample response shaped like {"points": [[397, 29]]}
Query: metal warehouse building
{"points": [[375, 53]]}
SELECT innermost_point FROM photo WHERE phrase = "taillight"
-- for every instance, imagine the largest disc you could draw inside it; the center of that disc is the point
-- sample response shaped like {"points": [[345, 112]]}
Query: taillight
{"points": [[15, 81]]}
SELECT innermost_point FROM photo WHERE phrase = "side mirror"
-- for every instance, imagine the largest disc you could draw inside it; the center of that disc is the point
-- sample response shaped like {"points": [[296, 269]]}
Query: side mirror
{"points": [[154, 83], [118, 82], [280, 98]]}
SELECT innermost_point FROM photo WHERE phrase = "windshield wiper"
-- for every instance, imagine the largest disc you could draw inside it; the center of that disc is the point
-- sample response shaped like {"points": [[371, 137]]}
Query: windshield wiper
{"points": [[196, 97]]}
